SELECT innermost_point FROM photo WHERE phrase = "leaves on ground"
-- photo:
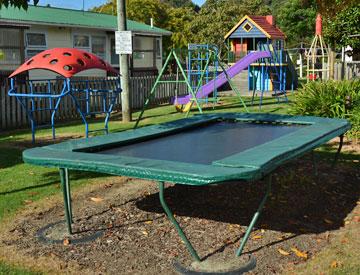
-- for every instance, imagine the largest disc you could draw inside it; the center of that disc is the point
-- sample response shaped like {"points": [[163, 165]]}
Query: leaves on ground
{"points": [[96, 199], [335, 264], [66, 242], [328, 221], [299, 253], [283, 252]]}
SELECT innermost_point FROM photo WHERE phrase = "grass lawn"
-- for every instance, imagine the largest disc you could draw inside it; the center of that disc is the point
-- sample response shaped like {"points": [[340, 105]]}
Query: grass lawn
{"points": [[22, 184]]}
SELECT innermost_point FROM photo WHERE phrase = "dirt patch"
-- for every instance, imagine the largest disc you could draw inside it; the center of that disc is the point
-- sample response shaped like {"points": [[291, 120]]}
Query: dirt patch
{"points": [[301, 217], [43, 141]]}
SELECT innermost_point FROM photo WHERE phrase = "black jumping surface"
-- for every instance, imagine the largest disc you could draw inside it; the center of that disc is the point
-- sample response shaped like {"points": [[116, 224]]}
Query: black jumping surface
{"points": [[205, 144]]}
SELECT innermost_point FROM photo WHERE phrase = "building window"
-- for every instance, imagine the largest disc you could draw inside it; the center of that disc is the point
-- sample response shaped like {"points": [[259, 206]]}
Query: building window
{"points": [[158, 48], [35, 43], [114, 59], [137, 43], [98, 46], [82, 41], [36, 40], [247, 27], [10, 47]]}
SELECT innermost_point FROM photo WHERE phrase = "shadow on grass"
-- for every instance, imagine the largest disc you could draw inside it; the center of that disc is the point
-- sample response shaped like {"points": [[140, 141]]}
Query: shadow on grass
{"points": [[299, 203], [10, 157], [54, 178]]}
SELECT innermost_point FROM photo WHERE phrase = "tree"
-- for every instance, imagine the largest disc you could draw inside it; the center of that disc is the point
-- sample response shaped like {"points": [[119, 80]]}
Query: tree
{"points": [[329, 8], [297, 20], [341, 29], [17, 3], [181, 3], [176, 20], [140, 10], [179, 24], [143, 10]]}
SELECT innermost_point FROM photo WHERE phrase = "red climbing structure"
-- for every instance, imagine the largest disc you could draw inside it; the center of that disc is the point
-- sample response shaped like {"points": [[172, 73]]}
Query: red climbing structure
{"points": [[90, 97]]}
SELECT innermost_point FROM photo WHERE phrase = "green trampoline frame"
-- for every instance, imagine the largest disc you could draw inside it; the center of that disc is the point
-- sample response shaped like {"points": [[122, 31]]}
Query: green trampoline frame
{"points": [[251, 164]]}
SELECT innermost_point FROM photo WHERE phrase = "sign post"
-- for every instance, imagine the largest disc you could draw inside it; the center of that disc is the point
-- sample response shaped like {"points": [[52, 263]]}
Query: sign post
{"points": [[124, 61], [123, 42]]}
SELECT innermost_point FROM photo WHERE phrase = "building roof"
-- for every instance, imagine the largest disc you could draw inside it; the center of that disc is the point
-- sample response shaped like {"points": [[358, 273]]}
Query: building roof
{"points": [[261, 22], [71, 18]]}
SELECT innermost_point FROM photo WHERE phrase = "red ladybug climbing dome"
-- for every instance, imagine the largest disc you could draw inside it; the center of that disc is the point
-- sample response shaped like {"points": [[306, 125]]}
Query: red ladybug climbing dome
{"points": [[64, 61]]}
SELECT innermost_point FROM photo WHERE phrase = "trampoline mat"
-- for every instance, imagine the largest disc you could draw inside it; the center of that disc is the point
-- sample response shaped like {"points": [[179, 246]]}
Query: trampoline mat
{"points": [[205, 144]]}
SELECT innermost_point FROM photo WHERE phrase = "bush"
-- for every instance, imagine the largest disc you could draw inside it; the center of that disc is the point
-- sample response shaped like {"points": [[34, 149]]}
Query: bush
{"points": [[335, 99]]}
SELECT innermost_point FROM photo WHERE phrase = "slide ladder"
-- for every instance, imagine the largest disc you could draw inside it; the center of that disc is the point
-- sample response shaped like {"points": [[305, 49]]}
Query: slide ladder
{"points": [[277, 76]]}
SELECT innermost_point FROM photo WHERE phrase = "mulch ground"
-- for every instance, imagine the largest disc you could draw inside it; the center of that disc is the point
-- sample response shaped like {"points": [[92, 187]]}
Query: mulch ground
{"points": [[299, 219]]}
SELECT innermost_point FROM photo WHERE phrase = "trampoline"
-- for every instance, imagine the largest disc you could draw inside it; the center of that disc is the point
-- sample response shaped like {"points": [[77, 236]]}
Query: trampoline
{"points": [[201, 150]]}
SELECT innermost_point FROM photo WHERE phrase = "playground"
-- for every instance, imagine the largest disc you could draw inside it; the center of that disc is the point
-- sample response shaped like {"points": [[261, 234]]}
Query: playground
{"points": [[135, 223], [208, 177]]}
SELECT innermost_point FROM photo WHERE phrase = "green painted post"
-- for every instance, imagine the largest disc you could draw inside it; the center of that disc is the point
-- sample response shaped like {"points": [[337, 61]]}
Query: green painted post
{"points": [[189, 85], [233, 86], [147, 101], [198, 87], [314, 161], [175, 223], [255, 217], [338, 151], [64, 177]]}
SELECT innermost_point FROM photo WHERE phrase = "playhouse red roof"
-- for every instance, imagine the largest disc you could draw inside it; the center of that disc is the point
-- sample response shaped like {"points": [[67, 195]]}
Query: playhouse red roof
{"points": [[266, 24], [272, 30]]}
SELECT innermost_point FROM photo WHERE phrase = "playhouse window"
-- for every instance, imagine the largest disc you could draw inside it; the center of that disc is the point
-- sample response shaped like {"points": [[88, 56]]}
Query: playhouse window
{"points": [[247, 27]]}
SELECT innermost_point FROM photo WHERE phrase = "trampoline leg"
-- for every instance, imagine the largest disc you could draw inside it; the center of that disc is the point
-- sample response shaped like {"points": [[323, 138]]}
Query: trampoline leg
{"points": [[338, 151], [313, 156], [64, 176], [255, 217], [175, 223]]}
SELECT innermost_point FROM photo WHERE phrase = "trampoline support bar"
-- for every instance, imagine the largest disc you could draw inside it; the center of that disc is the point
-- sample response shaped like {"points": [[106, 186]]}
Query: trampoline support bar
{"points": [[255, 217], [338, 151], [64, 177], [175, 223]]}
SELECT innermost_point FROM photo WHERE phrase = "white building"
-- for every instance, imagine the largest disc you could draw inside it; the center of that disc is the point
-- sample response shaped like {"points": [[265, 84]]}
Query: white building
{"points": [[26, 33]]}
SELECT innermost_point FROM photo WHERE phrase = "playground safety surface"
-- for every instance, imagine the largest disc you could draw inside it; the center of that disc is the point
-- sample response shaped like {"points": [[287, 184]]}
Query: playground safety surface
{"points": [[303, 213]]}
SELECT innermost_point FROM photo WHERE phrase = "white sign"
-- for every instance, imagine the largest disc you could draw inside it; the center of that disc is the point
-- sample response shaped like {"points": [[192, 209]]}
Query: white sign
{"points": [[123, 42]]}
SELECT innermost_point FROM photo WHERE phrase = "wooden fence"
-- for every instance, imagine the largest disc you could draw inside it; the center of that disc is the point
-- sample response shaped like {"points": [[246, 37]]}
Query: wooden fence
{"points": [[12, 115], [347, 70]]}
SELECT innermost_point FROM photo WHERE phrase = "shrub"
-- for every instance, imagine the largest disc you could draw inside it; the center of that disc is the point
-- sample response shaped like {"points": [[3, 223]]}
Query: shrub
{"points": [[335, 99]]}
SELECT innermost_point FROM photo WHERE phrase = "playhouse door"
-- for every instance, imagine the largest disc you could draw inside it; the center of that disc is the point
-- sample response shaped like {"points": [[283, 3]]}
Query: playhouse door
{"points": [[241, 49]]}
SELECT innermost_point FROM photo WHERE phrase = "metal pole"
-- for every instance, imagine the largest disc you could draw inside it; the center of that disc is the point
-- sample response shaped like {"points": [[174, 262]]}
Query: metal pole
{"points": [[124, 65], [178, 228]]}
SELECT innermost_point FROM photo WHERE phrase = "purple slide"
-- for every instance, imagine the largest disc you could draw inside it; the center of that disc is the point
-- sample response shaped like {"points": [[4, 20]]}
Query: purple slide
{"points": [[209, 87]]}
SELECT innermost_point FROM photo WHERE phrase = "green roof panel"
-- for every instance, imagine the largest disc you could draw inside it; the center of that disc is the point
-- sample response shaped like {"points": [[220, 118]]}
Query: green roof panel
{"points": [[71, 18]]}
